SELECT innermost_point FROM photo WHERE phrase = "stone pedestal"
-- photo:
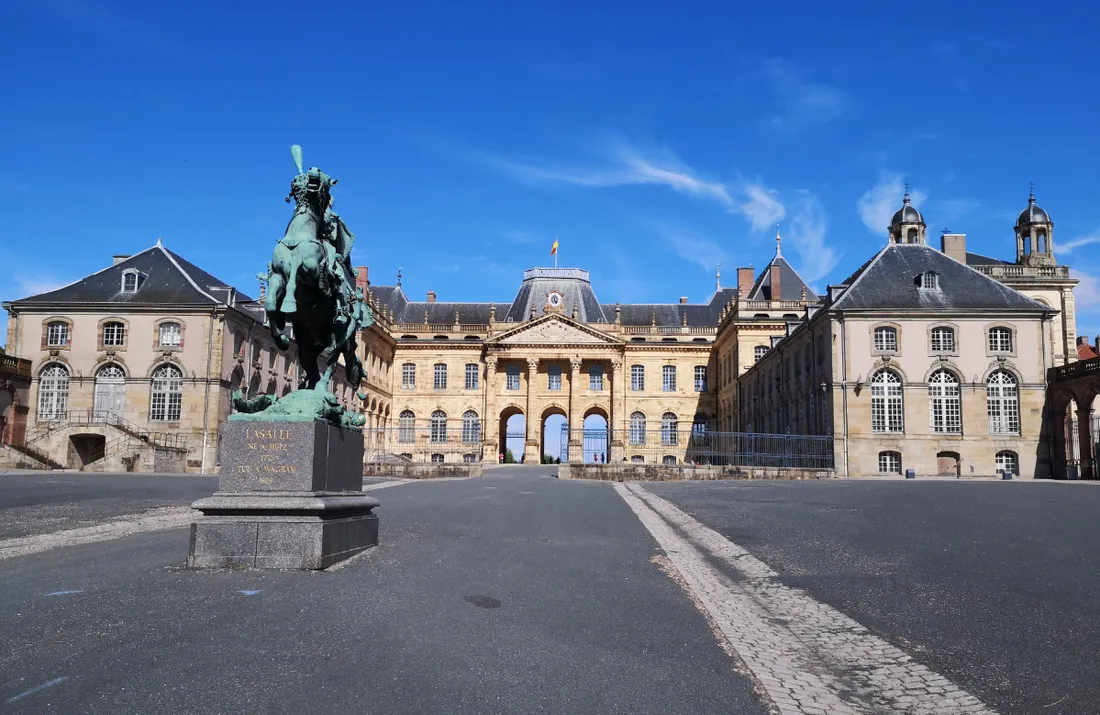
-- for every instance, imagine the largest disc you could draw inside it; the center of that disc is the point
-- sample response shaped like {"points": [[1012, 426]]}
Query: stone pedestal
{"points": [[289, 497]]}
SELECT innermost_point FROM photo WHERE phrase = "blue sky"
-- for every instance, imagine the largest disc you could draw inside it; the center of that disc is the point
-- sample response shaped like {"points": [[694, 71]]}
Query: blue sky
{"points": [[654, 139]]}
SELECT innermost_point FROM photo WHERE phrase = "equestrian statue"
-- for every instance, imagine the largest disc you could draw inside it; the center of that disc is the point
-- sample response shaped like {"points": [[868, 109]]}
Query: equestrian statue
{"points": [[311, 286]]}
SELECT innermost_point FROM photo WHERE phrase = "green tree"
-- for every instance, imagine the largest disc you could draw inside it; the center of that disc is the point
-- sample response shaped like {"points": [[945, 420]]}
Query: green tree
{"points": [[509, 458]]}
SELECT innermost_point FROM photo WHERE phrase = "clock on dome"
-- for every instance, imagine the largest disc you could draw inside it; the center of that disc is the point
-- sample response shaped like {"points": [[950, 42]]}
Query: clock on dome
{"points": [[554, 300]]}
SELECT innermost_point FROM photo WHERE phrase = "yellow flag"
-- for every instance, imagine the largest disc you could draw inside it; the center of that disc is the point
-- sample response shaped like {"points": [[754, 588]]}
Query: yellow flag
{"points": [[554, 248]]}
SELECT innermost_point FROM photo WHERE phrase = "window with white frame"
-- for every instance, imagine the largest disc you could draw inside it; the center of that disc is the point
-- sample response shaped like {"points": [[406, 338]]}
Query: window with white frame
{"points": [[886, 339], [473, 370], [930, 280], [406, 427], [637, 378], [170, 335], [1007, 461], [471, 427], [669, 459], [53, 392], [945, 403], [943, 340], [889, 462], [438, 427], [669, 425], [637, 428], [1000, 340], [408, 376], [1003, 403], [130, 281], [437, 458], [114, 334], [595, 378], [469, 458], [668, 378], [511, 377], [887, 413], [166, 402], [759, 352], [439, 376], [57, 334], [553, 377], [700, 378]]}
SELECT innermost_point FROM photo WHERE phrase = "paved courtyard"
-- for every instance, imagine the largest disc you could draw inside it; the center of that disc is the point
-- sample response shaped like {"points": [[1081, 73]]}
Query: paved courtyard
{"points": [[520, 593]]}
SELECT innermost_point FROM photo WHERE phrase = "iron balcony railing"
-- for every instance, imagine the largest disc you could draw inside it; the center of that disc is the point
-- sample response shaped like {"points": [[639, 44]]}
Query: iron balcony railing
{"points": [[453, 443]]}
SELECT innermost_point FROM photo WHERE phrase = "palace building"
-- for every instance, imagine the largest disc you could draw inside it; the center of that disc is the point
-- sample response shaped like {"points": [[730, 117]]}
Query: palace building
{"points": [[926, 359]]}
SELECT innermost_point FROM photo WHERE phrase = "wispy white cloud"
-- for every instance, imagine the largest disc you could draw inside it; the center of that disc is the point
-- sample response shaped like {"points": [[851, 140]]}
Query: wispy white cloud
{"points": [[763, 208], [801, 103], [1086, 296], [693, 246], [806, 232], [34, 285], [1071, 246], [878, 204]]}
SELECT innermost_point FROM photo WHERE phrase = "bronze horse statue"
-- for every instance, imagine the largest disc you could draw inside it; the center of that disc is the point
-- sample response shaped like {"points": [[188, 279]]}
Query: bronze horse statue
{"points": [[310, 283]]}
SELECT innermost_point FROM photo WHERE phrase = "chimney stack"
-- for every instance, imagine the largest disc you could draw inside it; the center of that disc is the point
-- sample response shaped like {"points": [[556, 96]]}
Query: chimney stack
{"points": [[774, 281], [683, 300], [431, 296], [361, 278], [119, 258], [954, 246], [744, 282]]}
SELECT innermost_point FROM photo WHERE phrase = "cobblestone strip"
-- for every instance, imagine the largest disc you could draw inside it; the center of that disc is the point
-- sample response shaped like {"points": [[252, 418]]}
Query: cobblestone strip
{"points": [[152, 520], [810, 658]]}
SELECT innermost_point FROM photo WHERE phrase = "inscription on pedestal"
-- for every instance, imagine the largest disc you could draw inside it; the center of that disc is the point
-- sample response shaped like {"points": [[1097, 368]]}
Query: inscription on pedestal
{"points": [[309, 456], [271, 449]]}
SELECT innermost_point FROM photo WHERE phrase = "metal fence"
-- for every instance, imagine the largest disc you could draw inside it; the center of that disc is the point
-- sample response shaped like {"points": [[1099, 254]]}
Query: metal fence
{"points": [[1076, 467], [667, 446], [423, 444]]}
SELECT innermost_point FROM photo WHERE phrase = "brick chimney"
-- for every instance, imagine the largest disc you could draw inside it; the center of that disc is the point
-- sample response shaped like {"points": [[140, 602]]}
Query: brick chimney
{"points": [[775, 281], [119, 258], [954, 245], [431, 296], [744, 282], [361, 278], [683, 300]]}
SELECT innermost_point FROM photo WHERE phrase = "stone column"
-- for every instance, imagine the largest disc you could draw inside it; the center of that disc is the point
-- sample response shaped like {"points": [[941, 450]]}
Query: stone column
{"points": [[1085, 440], [490, 437], [618, 416], [530, 421], [574, 421]]}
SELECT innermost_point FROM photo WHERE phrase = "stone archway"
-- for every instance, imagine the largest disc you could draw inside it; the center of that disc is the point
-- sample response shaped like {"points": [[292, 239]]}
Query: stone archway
{"points": [[550, 431], [512, 428], [595, 437]]}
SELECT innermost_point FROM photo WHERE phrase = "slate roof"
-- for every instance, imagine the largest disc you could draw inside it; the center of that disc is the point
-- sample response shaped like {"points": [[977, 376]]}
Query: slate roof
{"points": [[889, 281], [977, 259], [169, 279], [790, 283]]}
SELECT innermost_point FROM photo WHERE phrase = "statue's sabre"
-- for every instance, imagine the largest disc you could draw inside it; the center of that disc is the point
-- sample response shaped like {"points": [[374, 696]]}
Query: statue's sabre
{"points": [[296, 155]]}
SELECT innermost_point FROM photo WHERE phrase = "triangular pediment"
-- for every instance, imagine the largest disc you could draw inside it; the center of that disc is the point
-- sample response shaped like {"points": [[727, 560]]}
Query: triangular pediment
{"points": [[554, 330]]}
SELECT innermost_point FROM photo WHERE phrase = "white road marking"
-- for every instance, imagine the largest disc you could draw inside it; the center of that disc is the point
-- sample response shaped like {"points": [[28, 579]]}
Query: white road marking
{"points": [[152, 520], [809, 658], [384, 485]]}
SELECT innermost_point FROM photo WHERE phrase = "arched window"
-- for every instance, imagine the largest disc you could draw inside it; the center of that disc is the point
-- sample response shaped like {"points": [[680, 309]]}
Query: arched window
{"points": [[637, 428], [887, 410], [669, 424], [408, 376], [437, 458], [166, 403], [257, 349], [889, 462], [438, 426], [114, 334], [53, 392], [170, 335], [1003, 403], [945, 404], [406, 432], [471, 427], [1007, 461], [886, 339], [943, 340], [110, 389]]}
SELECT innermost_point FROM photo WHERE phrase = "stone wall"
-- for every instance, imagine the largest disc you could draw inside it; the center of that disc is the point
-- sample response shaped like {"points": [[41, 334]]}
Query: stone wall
{"points": [[669, 473], [422, 470]]}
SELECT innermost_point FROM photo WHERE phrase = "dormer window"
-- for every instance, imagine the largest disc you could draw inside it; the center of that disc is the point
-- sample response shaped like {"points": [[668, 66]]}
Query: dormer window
{"points": [[131, 281], [929, 280]]}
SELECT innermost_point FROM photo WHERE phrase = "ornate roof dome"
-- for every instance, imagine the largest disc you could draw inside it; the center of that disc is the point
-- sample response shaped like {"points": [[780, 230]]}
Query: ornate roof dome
{"points": [[907, 213], [1032, 214]]}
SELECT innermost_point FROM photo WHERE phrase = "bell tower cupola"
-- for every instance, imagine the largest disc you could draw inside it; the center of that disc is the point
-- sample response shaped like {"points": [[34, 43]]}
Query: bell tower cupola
{"points": [[1034, 235], [907, 226]]}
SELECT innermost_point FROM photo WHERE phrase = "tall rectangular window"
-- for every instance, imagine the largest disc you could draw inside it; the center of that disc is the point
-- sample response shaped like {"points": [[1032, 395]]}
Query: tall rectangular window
{"points": [[170, 335], [1000, 340], [553, 377], [759, 352], [943, 340], [700, 378], [668, 378], [439, 376], [114, 334], [57, 334], [512, 377], [886, 340], [595, 378], [408, 376], [637, 378], [472, 372]]}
